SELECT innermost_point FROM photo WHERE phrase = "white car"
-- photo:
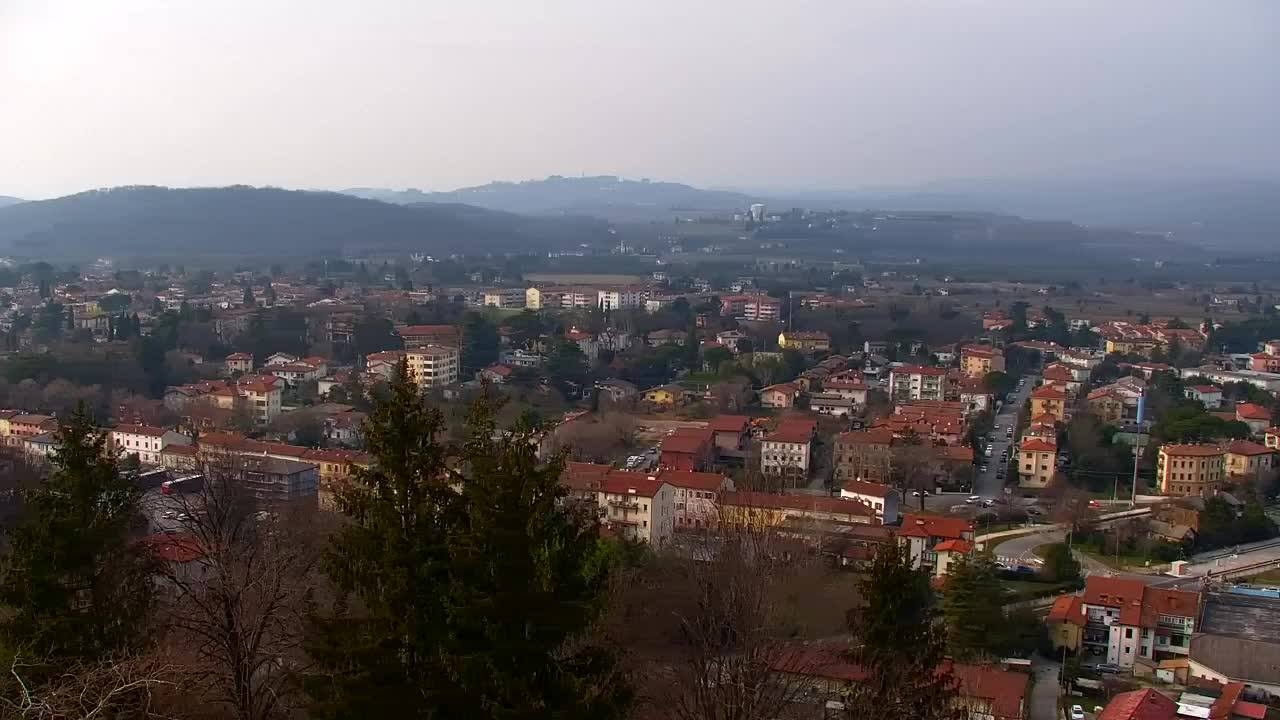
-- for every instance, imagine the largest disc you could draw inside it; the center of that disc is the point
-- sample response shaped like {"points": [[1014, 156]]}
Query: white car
{"points": [[973, 499], [918, 493], [1077, 712]]}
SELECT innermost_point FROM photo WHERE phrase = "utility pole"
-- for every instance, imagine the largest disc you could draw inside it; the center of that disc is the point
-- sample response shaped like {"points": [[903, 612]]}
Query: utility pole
{"points": [[1137, 450]]}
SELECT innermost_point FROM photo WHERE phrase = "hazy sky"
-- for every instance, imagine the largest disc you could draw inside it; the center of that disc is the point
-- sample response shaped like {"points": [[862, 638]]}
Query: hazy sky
{"points": [[442, 93]]}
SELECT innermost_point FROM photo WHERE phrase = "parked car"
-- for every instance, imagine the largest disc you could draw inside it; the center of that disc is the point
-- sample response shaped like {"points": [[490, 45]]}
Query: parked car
{"points": [[1077, 712], [1107, 668], [919, 493], [973, 499], [1094, 504]]}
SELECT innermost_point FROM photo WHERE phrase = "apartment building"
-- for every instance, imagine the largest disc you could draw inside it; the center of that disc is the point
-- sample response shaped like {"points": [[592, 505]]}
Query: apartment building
{"points": [[1037, 462], [145, 441], [275, 480], [1049, 400], [751, 307], [881, 498], [504, 297], [917, 382], [433, 365], [786, 451], [621, 298], [636, 506], [1187, 470], [804, 340], [1133, 621], [22, 426], [697, 497], [417, 336], [978, 360], [261, 396], [1247, 460], [865, 455], [923, 534]]}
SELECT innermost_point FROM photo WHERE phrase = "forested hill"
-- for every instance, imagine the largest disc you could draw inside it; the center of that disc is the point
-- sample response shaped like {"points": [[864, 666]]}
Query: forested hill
{"points": [[604, 196], [266, 222]]}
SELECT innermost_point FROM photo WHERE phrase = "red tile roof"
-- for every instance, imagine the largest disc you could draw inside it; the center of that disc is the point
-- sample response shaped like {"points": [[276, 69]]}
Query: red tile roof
{"points": [[1247, 447], [239, 356], [1067, 608], [139, 430], [914, 525], [1113, 592], [954, 545], [728, 423], [1038, 445], [919, 370], [692, 480], [687, 440], [1048, 392], [1250, 411], [174, 548], [1190, 450], [630, 483], [790, 434], [1140, 705], [817, 503], [881, 435]]}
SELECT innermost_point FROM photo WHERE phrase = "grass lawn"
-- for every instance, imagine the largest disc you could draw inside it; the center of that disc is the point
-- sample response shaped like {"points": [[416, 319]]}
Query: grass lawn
{"points": [[1270, 577], [1118, 562], [1024, 590]]}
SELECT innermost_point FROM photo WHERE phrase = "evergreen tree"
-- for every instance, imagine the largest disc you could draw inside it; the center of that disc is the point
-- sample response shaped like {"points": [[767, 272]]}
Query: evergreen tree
{"points": [[248, 300], [74, 586], [393, 557], [973, 609], [899, 646], [479, 344], [523, 590]]}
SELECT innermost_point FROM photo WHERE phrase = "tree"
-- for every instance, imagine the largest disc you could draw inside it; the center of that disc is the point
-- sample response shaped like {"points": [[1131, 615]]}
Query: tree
{"points": [[248, 300], [75, 586], [1059, 565], [520, 599], [998, 383], [566, 367], [714, 357], [914, 465], [899, 647], [393, 557], [973, 609], [479, 344]]}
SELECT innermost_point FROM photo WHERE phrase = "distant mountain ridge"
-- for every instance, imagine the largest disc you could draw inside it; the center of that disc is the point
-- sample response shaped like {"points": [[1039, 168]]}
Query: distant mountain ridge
{"points": [[602, 195], [6, 200], [148, 221]]}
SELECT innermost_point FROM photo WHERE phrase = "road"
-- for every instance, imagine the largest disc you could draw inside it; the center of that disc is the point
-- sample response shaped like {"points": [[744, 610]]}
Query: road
{"points": [[987, 484], [1045, 691]]}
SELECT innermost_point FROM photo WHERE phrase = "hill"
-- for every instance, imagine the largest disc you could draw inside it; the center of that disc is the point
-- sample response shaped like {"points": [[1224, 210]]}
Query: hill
{"points": [[603, 196], [239, 221], [6, 200], [387, 195]]}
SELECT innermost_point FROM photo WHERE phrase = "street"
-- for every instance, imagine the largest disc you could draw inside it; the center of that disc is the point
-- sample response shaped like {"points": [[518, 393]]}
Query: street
{"points": [[986, 483]]}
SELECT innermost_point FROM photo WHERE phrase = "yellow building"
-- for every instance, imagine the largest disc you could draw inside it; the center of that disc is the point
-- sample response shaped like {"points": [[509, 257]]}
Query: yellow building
{"points": [[1066, 622], [1037, 463], [1049, 400], [1248, 460], [1190, 470], [804, 340], [666, 395], [977, 361]]}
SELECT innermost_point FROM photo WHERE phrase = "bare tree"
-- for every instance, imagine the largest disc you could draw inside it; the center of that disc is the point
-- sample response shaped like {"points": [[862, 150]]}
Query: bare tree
{"points": [[114, 688], [915, 467], [239, 573]]}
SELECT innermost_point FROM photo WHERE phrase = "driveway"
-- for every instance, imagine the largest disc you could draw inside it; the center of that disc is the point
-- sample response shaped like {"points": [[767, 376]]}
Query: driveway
{"points": [[1045, 690]]}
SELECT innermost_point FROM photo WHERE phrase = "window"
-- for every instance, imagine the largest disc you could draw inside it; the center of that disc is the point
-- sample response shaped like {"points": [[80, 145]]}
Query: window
{"points": [[1128, 633]]}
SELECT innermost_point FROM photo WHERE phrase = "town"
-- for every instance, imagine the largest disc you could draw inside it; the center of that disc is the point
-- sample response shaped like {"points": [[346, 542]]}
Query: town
{"points": [[1098, 461]]}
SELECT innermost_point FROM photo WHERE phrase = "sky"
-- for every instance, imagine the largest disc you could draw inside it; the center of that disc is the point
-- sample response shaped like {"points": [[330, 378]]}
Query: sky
{"points": [[802, 94]]}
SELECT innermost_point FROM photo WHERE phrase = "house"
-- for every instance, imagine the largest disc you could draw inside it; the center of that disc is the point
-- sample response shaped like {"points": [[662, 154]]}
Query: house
{"points": [[922, 534], [1145, 704], [666, 396], [730, 432], [239, 363], [1131, 621], [658, 338], [690, 449], [782, 395], [417, 336], [1048, 400], [948, 552], [521, 358], [983, 692], [179, 457], [853, 390], [38, 448], [586, 342], [25, 426], [978, 360], [1066, 622], [432, 365], [280, 359], [272, 479], [617, 391], [917, 382], [1209, 395], [831, 404], [1271, 437], [496, 374], [1184, 470], [786, 451], [144, 441], [1264, 362], [261, 395], [1257, 417], [883, 499], [636, 506], [294, 373], [806, 341], [382, 365], [731, 338], [696, 497], [1037, 462], [865, 455], [1247, 460]]}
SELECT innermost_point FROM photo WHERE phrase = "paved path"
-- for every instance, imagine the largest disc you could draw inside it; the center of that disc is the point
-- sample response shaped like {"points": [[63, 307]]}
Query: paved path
{"points": [[1045, 691], [987, 484]]}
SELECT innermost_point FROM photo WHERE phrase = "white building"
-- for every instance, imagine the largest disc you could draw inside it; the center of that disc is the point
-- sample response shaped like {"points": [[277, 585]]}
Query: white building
{"points": [[433, 365], [505, 297], [145, 441], [881, 498], [621, 298]]}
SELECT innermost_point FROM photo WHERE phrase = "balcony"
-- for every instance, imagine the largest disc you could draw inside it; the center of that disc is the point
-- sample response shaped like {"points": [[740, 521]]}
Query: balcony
{"points": [[625, 505]]}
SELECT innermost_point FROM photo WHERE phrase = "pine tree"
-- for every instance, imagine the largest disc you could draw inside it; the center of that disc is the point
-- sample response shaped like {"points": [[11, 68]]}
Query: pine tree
{"points": [[973, 609], [75, 587], [247, 300], [898, 645], [523, 595], [393, 558]]}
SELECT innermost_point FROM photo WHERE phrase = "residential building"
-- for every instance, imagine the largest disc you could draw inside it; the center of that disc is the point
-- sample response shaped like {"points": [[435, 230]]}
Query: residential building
{"points": [[782, 395], [1264, 362], [504, 297], [666, 396], [1237, 640], [786, 451], [731, 432], [1189, 469], [433, 365], [521, 358], [25, 426], [239, 363], [832, 404], [419, 336], [658, 338], [1263, 381], [854, 390], [1257, 417], [1037, 462], [295, 373], [1145, 704], [881, 498], [753, 307], [922, 534], [144, 441], [277, 480], [636, 506], [978, 360], [689, 449], [585, 341], [804, 340], [764, 510], [1209, 395], [917, 382], [696, 497], [261, 396], [280, 359], [627, 298], [1246, 460], [865, 455], [1048, 400], [382, 365], [1271, 437], [1066, 621], [1132, 621], [731, 338]]}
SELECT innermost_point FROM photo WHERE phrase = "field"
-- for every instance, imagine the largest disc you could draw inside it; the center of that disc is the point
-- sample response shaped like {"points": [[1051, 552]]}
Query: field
{"points": [[584, 279]]}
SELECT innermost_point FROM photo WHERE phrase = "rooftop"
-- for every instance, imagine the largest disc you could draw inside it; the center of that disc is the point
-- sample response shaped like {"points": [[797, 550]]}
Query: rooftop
{"points": [[1190, 450]]}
